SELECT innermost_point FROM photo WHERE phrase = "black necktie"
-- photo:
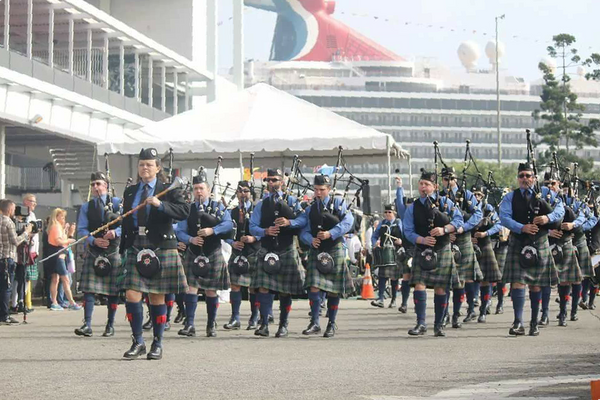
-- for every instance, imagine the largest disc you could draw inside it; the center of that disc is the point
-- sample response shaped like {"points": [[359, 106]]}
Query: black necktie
{"points": [[141, 214]]}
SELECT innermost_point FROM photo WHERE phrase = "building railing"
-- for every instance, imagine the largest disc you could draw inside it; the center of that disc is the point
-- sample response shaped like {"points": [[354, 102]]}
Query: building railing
{"points": [[32, 179]]}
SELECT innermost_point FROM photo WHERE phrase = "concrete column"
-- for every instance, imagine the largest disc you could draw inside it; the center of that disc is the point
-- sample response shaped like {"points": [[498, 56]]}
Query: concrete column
{"points": [[238, 43], [211, 47], [122, 69], [105, 54], [51, 38], [7, 24], [89, 55], [29, 29], [2, 161], [150, 83], [71, 44], [175, 92], [65, 193]]}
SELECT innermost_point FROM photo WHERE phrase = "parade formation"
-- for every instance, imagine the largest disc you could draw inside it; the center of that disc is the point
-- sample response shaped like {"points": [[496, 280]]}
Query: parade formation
{"points": [[290, 239]]}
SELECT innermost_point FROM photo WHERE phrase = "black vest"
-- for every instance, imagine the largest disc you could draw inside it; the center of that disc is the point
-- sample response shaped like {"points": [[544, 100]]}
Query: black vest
{"points": [[243, 228], [524, 213], [423, 215], [96, 220], [393, 230], [199, 220], [324, 220], [267, 218], [593, 238]]}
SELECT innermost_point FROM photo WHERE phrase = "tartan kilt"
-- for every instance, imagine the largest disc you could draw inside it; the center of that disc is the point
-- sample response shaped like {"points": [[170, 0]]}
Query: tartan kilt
{"points": [[339, 282], [468, 268], [583, 256], [542, 274], [289, 280], [568, 270], [500, 251], [391, 271], [245, 279], [89, 282], [171, 278], [218, 274], [31, 273], [488, 263], [445, 275]]}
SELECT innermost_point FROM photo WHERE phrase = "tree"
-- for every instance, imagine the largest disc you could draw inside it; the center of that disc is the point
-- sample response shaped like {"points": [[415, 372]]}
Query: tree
{"points": [[559, 108]]}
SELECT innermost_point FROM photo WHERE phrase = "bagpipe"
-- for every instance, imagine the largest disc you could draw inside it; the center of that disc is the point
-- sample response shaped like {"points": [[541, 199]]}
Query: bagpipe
{"points": [[541, 206]]}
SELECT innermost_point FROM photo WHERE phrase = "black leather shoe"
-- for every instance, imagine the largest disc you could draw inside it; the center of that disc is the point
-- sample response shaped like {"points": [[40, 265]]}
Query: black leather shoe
{"points": [[179, 317], [282, 331], [252, 324], [136, 350], [499, 309], [533, 329], [517, 329], [109, 331], [148, 324], [481, 319], [574, 317], [233, 324], [262, 331], [403, 309], [392, 304], [562, 319], [188, 331], [312, 329], [167, 326], [455, 322], [583, 305], [84, 331], [471, 316], [418, 330], [438, 330], [377, 303], [544, 321], [155, 352], [330, 330], [211, 329]]}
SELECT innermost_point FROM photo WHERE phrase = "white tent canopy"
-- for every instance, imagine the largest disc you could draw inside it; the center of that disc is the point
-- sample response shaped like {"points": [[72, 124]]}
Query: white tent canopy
{"points": [[261, 120]]}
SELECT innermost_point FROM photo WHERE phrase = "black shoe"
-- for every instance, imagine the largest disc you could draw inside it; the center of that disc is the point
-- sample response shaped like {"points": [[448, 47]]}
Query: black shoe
{"points": [[84, 331], [562, 319], [136, 350], [233, 324], [392, 304], [481, 319], [179, 317], [574, 316], [557, 300], [533, 329], [445, 320], [211, 329], [282, 331], [377, 303], [403, 309], [156, 351], [517, 329], [455, 322], [148, 324], [21, 308], [13, 310], [252, 324], [271, 319], [167, 326], [330, 330], [583, 305], [544, 321], [312, 329], [109, 331], [262, 331], [471, 316], [438, 330], [418, 330], [188, 331], [499, 309]]}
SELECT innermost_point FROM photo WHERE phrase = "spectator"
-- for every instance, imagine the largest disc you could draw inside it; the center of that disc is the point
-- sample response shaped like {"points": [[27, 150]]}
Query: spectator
{"points": [[60, 235], [8, 253]]}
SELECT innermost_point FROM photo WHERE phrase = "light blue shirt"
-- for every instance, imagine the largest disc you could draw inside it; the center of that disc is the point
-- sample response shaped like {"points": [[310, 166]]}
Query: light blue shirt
{"points": [[506, 214], [222, 227], [473, 208], [400, 206], [397, 222], [337, 231], [495, 219], [83, 222], [138, 198], [446, 205], [299, 222]]}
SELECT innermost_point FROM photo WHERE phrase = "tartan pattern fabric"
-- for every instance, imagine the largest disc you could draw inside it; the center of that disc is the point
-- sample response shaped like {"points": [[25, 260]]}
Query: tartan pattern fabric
{"points": [[393, 271], [500, 252], [468, 268], [583, 255], [568, 270], [542, 274], [289, 280], [339, 282], [445, 275], [171, 278], [488, 263], [218, 275], [31, 272], [89, 282], [245, 279]]}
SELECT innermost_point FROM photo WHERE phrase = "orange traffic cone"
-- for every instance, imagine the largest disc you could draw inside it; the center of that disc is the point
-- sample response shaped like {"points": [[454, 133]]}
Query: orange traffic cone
{"points": [[367, 286], [595, 385]]}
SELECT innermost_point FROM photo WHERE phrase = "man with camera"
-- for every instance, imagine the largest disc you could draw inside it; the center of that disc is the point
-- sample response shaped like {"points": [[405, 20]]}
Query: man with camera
{"points": [[27, 252], [8, 252]]}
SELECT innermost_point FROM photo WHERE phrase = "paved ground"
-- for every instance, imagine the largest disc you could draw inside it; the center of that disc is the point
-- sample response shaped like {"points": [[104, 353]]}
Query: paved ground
{"points": [[371, 358]]}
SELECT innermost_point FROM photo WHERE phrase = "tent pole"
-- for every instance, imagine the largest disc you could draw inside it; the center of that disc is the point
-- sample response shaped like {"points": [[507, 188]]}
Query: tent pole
{"points": [[389, 169], [410, 177], [241, 167]]}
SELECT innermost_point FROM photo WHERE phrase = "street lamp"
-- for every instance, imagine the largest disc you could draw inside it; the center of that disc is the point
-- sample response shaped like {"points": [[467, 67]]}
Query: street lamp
{"points": [[498, 94]]}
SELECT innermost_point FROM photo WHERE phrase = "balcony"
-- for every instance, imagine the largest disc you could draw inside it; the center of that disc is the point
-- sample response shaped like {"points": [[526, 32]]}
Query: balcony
{"points": [[31, 179]]}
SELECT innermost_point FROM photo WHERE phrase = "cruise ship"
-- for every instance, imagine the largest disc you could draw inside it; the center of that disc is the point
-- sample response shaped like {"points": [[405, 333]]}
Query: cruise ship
{"points": [[417, 101]]}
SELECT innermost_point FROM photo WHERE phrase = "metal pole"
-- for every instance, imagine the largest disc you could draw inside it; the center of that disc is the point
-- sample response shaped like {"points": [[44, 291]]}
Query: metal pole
{"points": [[30, 29], [51, 38], [2, 162], [6, 24], [150, 83], [410, 177], [136, 61], [498, 121], [211, 47], [175, 92], [122, 69], [389, 169], [71, 44], [89, 55], [105, 54], [163, 89], [238, 43], [187, 92]]}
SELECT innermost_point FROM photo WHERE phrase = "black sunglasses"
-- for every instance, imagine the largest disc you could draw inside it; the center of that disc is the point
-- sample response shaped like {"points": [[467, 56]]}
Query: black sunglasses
{"points": [[525, 176], [272, 179]]}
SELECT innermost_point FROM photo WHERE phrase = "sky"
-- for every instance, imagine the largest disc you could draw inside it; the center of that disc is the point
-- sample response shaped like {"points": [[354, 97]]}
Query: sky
{"points": [[435, 28]]}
